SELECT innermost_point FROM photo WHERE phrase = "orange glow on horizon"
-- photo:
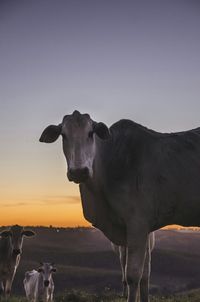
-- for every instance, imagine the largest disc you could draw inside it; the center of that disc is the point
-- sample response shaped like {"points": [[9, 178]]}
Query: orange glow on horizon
{"points": [[54, 210], [64, 211]]}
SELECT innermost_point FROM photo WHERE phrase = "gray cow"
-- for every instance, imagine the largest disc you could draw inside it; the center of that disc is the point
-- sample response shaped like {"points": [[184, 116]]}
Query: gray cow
{"points": [[133, 181], [121, 251], [11, 242]]}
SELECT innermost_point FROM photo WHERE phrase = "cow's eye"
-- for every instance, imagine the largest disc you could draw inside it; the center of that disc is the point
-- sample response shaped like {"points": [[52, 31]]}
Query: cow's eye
{"points": [[40, 270], [90, 134]]}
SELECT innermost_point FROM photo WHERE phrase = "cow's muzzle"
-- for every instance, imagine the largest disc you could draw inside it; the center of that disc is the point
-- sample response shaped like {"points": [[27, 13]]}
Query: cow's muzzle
{"points": [[46, 283], [16, 252], [78, 175]]}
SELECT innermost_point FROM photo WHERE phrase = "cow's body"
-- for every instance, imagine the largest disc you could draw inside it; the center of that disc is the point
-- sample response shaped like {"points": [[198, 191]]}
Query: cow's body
{"points": [[139, 180], [10, 254], [139, 174], [35, 287]]}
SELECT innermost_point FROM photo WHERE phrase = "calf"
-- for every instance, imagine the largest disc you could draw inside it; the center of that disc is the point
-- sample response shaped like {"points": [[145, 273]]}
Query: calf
{"points": [[11, 242], [121, 251], [39, 285]]}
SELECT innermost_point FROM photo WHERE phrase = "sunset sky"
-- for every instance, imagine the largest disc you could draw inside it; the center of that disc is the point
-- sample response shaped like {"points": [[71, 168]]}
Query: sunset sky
{"points": [[113, 59]]}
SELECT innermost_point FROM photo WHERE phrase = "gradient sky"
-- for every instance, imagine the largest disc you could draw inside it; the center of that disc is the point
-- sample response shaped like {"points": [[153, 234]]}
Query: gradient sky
{"points": [[113, 59]]}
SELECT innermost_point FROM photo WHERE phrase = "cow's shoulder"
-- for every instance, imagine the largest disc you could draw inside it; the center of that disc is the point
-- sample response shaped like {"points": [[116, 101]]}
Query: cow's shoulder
{"points": [[129, 146]]}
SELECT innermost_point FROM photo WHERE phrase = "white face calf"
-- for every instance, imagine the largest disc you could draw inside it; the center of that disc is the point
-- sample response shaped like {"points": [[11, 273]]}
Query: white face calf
{"points": [[79, 145], [16, 234], [46, 270]]}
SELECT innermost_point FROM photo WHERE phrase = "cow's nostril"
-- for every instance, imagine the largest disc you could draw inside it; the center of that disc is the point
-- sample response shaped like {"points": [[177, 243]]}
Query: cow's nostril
{"points": [[78, 175], [46, 283], [85, 171], [16, 251], [70, 174]]}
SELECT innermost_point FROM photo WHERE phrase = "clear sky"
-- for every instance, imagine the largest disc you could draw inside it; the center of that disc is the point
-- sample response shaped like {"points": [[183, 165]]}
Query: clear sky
{"points": [[111, 58]]}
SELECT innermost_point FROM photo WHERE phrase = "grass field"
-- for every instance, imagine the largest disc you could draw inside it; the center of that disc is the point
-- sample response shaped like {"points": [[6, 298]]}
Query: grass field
{"points": [[76, 296], [80, 296], [85, 262]]}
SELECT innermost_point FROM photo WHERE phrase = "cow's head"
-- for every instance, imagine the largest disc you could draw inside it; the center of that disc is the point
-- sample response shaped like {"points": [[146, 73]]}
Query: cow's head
{"points": [[16, 234], [79, 145], [46, 270]]}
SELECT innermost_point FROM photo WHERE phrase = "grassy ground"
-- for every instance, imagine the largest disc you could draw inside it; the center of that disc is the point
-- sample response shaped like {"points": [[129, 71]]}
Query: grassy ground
{"points": [[76, 296], [85, 260], [84, 297]]}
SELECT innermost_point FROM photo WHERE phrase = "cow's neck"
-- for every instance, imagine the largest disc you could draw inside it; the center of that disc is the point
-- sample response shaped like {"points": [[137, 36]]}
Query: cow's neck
{"points": [[114, 157], [100, 161], [16, 260]]}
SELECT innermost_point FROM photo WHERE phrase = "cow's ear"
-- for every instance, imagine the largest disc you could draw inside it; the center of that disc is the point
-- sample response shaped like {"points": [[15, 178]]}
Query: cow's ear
{"points": [[101, 130], [6, 233], [51, 134], [28, 233]]}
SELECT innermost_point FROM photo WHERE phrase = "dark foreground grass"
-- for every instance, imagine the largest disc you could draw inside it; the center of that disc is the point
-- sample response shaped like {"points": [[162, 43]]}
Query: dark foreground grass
{"points": [[75, 296], [80, 296]]}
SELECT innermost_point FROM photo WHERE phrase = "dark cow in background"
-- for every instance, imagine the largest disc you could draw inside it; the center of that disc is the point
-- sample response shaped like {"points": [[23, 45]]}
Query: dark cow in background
{"points": [[132, 181], [11, 242]]}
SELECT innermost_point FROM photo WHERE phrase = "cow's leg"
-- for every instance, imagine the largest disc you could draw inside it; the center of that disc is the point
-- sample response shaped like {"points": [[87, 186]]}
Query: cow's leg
{"points": [[1, 289], [36, 298], [144, 283], [136, 248], [30, 297], [8, 284], [46, 295], [4, 286], [50, 297], [7, 288], [138, 291], [122, 258]]}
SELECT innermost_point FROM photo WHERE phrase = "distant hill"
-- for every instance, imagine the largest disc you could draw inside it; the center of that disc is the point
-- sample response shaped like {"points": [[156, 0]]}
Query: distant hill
{"points": [[85, 260]]}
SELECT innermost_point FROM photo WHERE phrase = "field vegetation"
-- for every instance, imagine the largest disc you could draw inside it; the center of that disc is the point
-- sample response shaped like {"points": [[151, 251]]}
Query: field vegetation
{"points": [[86, 263], [81, 296]]}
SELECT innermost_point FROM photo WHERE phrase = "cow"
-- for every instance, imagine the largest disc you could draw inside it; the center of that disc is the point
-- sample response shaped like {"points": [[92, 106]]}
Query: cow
{"points": [[132, 180], [121, 251], [38, 284], [11, 242]]}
